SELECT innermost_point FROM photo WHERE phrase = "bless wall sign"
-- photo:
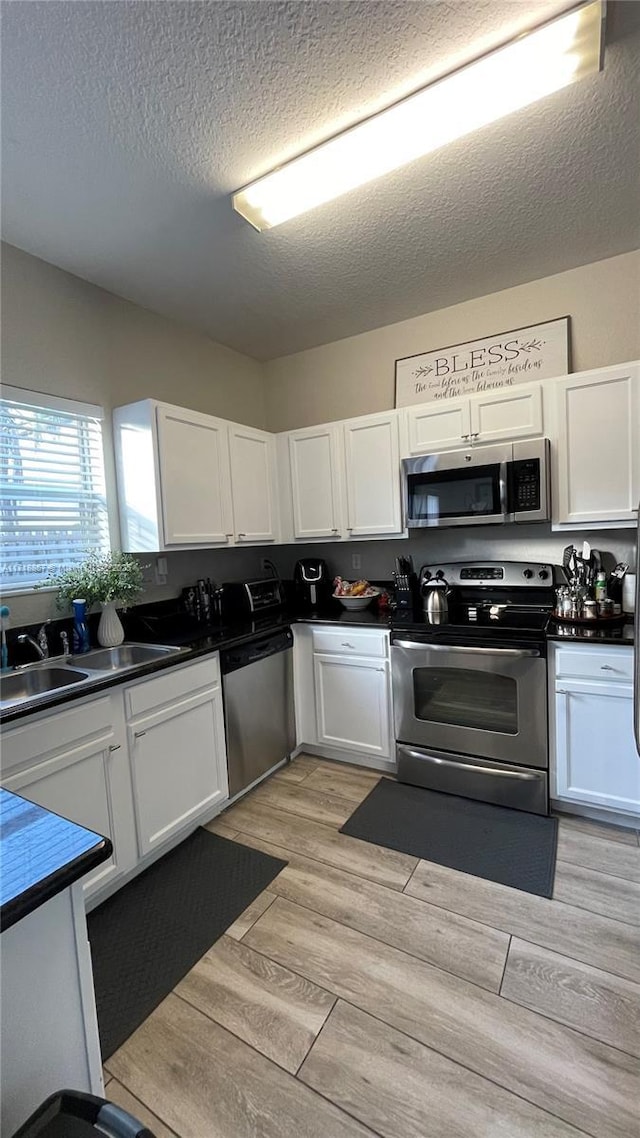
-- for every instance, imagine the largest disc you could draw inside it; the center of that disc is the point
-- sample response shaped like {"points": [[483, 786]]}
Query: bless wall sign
{"points": [[524, 354]]}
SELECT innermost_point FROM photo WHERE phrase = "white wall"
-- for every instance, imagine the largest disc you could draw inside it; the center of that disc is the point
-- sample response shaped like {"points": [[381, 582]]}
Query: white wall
{"points": [[68, 337], [64, 336], [356, 375]]}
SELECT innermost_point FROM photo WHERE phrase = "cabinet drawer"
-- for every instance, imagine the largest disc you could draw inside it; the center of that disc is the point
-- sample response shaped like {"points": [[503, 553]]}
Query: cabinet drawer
{"points": [[351, 641], [173, 684], [55, 731], [605, 664]]}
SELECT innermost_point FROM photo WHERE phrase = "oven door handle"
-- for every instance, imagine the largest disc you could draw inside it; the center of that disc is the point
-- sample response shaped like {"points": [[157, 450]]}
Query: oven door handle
{"points": [[458, 765], [513, 652]]}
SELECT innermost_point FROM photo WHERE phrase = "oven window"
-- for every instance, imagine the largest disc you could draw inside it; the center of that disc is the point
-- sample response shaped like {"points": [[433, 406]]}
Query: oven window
{"points": [[465, 698], [454, 493]]}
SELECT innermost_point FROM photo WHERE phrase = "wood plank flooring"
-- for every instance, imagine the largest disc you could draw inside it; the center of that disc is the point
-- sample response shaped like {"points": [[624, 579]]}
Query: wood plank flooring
{"points": [[366, 993]]}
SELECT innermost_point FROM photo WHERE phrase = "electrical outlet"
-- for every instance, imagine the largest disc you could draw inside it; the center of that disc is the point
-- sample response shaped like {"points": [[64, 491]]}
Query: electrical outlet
{"points": [[161, 571], [264, 564], [356, 561]]}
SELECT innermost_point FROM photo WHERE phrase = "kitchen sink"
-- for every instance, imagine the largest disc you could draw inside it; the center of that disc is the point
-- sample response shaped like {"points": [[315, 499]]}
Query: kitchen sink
{"points": [[124, 656], [37, 680], [18, 686]]}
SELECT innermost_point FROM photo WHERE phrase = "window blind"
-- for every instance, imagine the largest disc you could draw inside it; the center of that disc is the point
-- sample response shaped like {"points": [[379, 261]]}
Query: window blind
{"points": [[53, 507]]}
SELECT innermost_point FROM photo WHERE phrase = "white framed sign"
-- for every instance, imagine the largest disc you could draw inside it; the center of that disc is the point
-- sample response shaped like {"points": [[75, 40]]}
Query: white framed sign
{"points": [[520, 356]]}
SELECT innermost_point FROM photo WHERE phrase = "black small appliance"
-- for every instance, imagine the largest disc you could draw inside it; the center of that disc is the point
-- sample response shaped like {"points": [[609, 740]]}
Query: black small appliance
{"points": [[313, 582]]}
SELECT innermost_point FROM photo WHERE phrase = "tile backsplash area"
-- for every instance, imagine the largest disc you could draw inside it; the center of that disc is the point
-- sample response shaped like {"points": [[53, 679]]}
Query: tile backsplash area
{"points": [[495, 543]]}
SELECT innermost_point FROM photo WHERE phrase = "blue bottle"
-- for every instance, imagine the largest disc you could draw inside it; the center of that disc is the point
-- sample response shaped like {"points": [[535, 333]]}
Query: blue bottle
{"points": [[80, 629]]}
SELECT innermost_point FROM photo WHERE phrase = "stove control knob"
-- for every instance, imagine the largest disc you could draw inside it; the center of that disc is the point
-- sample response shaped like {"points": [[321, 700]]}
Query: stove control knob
{"points": [[528, 573], [543, 574]]}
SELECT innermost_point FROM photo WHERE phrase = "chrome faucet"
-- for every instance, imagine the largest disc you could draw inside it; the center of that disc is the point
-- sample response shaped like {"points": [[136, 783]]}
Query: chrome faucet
{"points": [[40, 644], [43, 643], [64, 636]]}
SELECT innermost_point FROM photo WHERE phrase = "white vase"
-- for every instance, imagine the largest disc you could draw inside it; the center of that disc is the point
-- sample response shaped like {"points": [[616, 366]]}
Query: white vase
{"points": [[110, 630]]}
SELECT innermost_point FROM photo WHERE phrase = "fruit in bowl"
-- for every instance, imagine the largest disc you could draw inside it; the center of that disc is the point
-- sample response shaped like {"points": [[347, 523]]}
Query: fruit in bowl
{"points": [[354, 595]]}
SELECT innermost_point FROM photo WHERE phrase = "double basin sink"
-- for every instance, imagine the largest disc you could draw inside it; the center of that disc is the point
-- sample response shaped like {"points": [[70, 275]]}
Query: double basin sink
{"points": [[35, 681]]}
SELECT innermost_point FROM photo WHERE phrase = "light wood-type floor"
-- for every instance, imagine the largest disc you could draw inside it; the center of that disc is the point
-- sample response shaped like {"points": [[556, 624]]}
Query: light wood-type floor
{"points": [[368, 993]]}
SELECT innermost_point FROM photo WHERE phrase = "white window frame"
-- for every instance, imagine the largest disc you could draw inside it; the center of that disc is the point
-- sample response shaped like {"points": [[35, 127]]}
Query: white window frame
{"points": [[73, 407]]}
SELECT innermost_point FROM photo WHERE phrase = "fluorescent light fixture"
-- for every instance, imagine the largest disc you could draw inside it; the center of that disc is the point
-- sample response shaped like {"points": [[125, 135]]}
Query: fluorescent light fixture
{"points": [[534, 65]]}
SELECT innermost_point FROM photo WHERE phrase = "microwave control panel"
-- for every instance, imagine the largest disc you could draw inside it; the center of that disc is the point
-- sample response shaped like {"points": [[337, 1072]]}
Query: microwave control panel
{"points": [[525, 485]]}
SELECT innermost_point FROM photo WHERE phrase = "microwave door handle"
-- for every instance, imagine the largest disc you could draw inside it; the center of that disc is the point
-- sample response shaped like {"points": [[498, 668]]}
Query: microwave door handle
{"points": [[504, 493], [520, 653], [637, 649]]}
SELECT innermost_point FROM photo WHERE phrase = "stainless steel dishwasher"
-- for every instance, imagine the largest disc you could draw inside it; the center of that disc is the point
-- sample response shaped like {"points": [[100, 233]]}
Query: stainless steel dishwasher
{"points": [[257, 686]]}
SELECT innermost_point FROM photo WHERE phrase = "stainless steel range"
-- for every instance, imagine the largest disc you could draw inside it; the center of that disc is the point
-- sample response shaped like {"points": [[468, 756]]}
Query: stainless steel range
{"points": [[470, 683]]}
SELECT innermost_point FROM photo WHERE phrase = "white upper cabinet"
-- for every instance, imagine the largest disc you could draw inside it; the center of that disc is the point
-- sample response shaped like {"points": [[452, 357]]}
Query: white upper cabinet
{"points": [[342, 480], [504, 414], [314, 459], [253, 488], [438, 426], [372, 475], [490, 416], [195, 481], [187, 480], [596, 452]]}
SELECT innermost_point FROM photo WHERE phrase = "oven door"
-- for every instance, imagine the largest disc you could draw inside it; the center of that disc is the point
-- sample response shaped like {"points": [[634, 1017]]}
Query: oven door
{"points": [[457, 488], [490, 702]]}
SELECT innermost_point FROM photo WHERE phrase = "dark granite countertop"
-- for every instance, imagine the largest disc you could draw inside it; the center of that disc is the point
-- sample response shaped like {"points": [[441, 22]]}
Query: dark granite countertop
{"points": [[40, 855], [593, 632], [336, 614], [196, 644]]}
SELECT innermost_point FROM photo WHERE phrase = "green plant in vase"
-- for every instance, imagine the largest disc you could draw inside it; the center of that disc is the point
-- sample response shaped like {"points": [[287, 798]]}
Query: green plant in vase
{"points": [[108, 579]]}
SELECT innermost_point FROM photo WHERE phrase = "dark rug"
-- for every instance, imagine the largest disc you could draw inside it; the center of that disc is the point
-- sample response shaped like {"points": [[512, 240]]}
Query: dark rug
{"points": [[508, 846], [147, 936]]}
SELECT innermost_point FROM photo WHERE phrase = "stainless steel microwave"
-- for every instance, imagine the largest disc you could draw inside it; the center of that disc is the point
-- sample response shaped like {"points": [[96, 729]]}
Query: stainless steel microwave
{"points": [[484, 485]]}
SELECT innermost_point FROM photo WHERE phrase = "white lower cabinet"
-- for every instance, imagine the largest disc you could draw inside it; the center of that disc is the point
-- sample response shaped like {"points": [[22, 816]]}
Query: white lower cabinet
{"points": [[351, 679], [82, 773], [352, 703], [142, 780], [594, 758], [178, 766]]}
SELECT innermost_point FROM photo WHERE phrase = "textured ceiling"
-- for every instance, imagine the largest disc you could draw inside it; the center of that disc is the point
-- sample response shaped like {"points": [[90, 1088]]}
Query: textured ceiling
{"points": [[127, 125]]}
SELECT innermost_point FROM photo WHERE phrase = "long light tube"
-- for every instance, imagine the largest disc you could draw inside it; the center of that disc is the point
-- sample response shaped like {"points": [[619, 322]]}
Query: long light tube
{"points": [[536, 64]]}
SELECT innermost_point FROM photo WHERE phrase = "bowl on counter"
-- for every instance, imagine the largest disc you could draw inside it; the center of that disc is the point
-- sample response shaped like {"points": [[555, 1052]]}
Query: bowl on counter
{"points": [[352, 604]]}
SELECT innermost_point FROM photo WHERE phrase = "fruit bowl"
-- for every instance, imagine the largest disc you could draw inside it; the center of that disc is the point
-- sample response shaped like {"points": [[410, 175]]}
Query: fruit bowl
{"points": [[355, 603]]}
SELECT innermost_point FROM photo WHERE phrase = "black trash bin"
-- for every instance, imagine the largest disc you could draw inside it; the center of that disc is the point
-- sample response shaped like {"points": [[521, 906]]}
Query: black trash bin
{"points": [[73, 1114]]}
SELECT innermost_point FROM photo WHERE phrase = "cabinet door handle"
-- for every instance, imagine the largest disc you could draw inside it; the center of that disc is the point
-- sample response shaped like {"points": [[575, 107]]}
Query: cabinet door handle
{"points": [[139, 734], [241, 535], [607, 668], [114, 746], [475, 435], [335, 530], [227, 535], [561, 691], [345, 644], [465, 437]]}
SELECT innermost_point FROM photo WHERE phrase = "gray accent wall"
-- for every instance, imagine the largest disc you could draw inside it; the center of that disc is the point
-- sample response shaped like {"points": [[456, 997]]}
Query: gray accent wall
{"points": [[475, 543]]}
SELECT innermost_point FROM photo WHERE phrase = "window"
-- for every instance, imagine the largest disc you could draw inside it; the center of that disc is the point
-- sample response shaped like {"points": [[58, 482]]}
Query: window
{"points": [[53, 506]]}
